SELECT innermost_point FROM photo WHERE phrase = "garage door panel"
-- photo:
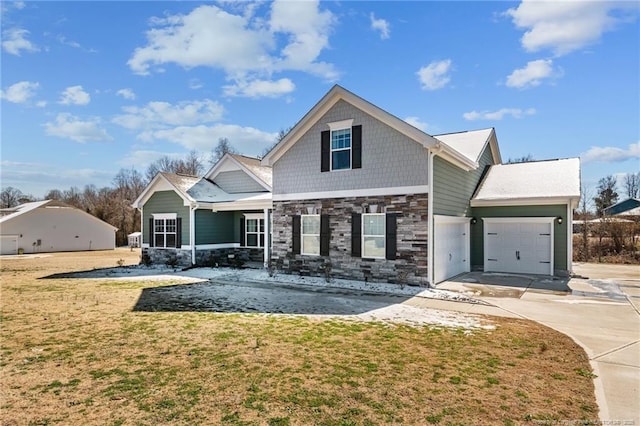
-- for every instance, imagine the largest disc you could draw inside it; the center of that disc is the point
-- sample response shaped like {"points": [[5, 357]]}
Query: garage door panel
{"points": [[450, 249], [519, 247]]}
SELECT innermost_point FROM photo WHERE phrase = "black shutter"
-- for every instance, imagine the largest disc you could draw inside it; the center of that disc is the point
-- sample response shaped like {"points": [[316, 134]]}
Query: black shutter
{"points": [[151, 236], [242, 233], [356, 147], [356, 235], [296, 234], [391, 236], [325, 235], [178, 232], [325, 151]]}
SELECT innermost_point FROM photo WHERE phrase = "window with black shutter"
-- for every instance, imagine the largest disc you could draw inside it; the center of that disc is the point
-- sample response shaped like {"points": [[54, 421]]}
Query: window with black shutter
{"points": [[356, 235], [295, 222]]}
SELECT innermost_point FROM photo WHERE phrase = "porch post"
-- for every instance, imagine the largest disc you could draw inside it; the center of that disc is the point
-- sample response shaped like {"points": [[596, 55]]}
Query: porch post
{"points": [[267, 231], [192, 232]]}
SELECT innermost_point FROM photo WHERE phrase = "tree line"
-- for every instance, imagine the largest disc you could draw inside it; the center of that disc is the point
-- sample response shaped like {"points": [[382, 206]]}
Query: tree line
{"points": [[112, 204]]}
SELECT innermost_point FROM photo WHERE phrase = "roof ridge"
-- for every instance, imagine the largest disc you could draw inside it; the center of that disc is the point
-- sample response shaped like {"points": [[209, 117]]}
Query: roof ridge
{"points": [[463, 131]]}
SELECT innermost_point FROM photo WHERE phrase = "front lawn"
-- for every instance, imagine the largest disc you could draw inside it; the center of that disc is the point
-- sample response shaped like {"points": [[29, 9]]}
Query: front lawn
{"points": [[74, 352]]}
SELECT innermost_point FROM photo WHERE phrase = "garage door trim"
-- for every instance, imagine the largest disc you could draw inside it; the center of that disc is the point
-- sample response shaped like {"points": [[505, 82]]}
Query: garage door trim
{"points": [[498, 220]]}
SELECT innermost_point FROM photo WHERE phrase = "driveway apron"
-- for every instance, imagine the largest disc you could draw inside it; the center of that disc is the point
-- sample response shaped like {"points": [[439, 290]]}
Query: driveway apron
{"points": [[601, 315]]}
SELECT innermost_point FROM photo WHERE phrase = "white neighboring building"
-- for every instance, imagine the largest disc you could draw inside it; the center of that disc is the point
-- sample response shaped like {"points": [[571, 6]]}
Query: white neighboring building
{"points": [[52, 226]]}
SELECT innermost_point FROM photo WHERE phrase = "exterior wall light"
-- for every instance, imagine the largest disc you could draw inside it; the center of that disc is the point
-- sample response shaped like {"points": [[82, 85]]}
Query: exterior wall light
{"points": [[474, 220], [559, 220]]}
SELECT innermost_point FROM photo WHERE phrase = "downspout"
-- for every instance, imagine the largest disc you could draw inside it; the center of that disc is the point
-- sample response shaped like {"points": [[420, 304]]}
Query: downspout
{"points": [[192, 231], [430, 228], [569, 238]]}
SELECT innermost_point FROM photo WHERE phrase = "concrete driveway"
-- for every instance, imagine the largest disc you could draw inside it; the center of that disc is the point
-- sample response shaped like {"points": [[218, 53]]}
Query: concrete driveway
{"points": [[598, 309]]}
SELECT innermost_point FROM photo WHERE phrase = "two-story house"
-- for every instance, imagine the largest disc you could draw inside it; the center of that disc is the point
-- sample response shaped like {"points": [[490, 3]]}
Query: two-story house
{"points": [[355, 192], [360, 193]]}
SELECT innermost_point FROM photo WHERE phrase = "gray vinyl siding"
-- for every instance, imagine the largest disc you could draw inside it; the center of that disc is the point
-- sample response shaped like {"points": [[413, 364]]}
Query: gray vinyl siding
{"points": [[215, 228], [454, 187], [559, 231], [165, 202], [389, 159], [237, 181]]}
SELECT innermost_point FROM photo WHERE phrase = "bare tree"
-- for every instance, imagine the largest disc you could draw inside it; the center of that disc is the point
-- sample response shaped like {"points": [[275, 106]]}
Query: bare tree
{"points": [[54, 194], [524, 159], [10, 197], [162, 164], [281, 135], [607, 195], [223, 147], [191, 165], [632, 184]]}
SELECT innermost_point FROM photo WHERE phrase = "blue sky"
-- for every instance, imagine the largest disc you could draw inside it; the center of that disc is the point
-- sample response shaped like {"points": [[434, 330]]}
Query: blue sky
{"points": [[92, 87]]}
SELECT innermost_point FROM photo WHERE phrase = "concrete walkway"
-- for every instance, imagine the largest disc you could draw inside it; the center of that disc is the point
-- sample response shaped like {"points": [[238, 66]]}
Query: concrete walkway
{"points": [[598, 310]]}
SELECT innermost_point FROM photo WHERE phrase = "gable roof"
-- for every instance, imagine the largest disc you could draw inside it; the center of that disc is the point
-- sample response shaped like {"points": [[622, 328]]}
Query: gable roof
{"points": [[338, 93], [472, 143], [164, 181], [11, 213], [194, 190], [629, 207], [250, 165], [536, 182]]}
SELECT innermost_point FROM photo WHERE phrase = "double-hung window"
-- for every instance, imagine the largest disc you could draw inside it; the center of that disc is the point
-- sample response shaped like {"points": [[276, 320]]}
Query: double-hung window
{"points": [[254, 232], [341, 149], [164, 231], [373, 235], [310, 234]]}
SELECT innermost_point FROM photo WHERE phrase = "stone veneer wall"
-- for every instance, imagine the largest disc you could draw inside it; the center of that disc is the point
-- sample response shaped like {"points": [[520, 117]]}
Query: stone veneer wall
{"points": [[208, 257], [410, 266]]}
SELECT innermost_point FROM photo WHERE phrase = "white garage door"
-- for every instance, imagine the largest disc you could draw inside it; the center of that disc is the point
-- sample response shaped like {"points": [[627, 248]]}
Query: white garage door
{"points": [[451, 247], [519, 245], [8, 244]]}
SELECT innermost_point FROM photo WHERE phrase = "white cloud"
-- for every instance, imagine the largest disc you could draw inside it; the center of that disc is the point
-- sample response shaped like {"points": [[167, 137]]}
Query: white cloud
{"points": [[245, 47], [308, 31], [380, 25], [20, 92], [15, 40], [566, 26], [41, 104], [247, 140], [435, 75], [71, 127], [126, 93], [532, 74], [499, 114], [74, 95], [610, 154], [416, 122], [260, 88], [159, 115]]}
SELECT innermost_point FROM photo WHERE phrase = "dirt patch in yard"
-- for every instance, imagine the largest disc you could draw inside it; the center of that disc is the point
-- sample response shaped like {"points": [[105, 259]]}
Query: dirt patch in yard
{"points": [[74, 351]]}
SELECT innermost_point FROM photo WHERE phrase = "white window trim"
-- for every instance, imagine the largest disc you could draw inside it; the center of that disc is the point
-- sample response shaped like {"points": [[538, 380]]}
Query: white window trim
{"points": [[350, 149], [302, 234], [164, 217], [257, 233], [362, 235], [340, 125]]}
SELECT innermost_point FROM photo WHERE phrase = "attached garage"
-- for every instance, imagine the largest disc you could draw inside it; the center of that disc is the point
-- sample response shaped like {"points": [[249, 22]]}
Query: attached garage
{"points": [[524, 214], [451, 247], [519, 245]]}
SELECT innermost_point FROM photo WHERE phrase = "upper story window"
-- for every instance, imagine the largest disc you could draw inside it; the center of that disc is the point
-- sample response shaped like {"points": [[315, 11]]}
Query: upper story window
{"points": [[341, 149], [341, 146]]}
